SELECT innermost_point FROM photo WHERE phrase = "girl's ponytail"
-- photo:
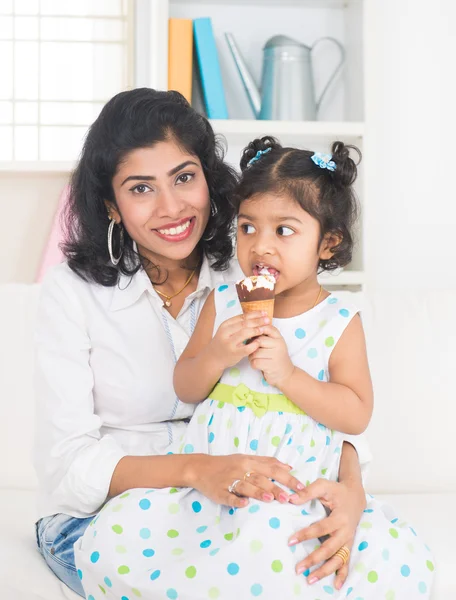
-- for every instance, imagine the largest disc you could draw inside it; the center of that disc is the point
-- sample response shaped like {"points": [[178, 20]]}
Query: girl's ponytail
{"points": [[346, 169], [256, 149]]}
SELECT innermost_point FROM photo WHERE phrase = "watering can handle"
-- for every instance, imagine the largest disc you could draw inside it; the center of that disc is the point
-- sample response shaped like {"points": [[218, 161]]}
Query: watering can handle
{"points": [[336, 70]]}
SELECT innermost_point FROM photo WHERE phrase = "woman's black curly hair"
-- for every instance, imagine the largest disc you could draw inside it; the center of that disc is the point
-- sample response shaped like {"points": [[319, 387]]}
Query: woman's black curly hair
{"points": [[326, 195], [135, 119]]}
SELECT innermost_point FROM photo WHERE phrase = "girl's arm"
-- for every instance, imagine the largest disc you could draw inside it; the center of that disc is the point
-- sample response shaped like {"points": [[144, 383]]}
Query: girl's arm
{"points": [[205, 358], [345, 402]]}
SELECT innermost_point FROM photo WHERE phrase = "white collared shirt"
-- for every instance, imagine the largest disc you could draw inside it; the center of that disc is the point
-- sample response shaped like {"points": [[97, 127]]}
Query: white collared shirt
{"points": [[104, 369]]}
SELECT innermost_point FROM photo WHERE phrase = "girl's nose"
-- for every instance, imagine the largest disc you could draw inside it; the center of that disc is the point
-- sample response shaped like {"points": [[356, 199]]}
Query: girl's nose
{"points": [[263, 245]]}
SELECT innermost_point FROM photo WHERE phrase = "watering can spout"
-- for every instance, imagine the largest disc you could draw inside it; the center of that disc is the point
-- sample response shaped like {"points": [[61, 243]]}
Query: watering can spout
{"points": [[250, 86]]}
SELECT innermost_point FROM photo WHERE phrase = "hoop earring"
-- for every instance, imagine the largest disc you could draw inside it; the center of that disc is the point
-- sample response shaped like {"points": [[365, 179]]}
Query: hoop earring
{"points": [[115, 260], [214, 211]]}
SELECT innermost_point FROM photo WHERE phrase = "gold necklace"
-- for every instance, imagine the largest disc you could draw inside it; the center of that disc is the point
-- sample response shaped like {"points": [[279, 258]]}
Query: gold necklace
{"points": [[168, 299], [318, 297]]}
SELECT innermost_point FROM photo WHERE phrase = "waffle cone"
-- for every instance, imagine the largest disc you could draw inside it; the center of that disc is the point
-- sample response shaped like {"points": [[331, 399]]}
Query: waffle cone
{"points": [[266, 305]]}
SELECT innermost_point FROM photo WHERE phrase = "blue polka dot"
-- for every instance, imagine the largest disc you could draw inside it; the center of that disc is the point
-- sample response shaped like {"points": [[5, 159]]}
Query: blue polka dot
{"points": [[344, 312], [332, 300], [233, 569], [306, 573], [288, 429], [254, 508], [241, 408], [205, 544], [94, 557], [413, 531], [274, 523], [312, 353], [349, 591], [321, 375], [422, 587], [300, 449], [210, 421], [254, 445], [363, 546], [171, 594], [196, 506], [202, 529], [79, 573], [394, 520], [264, 382], [385, 554], [368, 510], [311, 459], [304, 512], [145, 533], [211, 437], [144, 504], [328, 440], [214, 552], [328, 589], [155, 575], [90, 597], [108, 581], [231, 511], [290, 441], [188, 449], [148, 552], [222, 288], [300, 333], [256, 589], [405, 570], [292, 549], [124, 598], [231, 303]]}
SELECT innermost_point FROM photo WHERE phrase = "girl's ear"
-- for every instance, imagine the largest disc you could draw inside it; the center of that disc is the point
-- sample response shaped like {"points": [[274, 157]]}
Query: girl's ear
{"points": [[113, 213], [330, 241]]}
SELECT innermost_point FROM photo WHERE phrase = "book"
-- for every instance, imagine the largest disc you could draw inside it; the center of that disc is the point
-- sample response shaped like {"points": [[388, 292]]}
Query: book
{"points": [[180, 56], [209, 69], [52, 254]]}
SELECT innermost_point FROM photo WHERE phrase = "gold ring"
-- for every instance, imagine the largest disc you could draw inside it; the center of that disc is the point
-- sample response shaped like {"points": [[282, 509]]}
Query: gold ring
{"points": [[248, 474], [344, 554]]}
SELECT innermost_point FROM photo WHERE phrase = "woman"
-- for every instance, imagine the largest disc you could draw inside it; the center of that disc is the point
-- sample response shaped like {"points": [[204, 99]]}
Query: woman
{"points": [[148, 236]]}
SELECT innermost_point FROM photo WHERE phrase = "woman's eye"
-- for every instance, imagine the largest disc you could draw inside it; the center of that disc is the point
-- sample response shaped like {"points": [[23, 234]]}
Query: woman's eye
{"points": [[185, 177], [248, 229], [284, 231], [141, 188]]}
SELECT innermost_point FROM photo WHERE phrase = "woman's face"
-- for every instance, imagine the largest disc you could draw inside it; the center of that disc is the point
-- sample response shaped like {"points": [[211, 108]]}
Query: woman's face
{"points": [[163, 201]]}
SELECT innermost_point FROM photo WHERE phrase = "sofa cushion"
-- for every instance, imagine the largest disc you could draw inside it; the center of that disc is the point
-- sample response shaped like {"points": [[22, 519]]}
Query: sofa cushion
{"points": [[25, 576]]}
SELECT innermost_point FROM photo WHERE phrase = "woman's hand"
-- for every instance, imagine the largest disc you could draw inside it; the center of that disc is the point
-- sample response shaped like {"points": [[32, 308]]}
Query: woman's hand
{"points": [[211, 475], [228, 346], [346, 501]]}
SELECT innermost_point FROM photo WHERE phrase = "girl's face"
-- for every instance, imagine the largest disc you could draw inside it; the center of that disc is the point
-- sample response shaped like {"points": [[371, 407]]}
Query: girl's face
{"points": [[163, 201], [274, 232]]}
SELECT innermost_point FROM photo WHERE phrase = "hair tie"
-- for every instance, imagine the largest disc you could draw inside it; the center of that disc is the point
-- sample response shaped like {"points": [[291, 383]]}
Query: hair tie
{"points": [[258, 155], [324, 161]]}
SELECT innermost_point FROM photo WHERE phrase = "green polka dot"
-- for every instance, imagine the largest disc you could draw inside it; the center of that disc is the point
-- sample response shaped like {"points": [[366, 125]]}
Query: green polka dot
{"points": [[136, 592], [276, 566], [238, 532], [268, 428], [303, 428], [366, 525], [256, 545], [228, 536], [190, 572], [235, 372], [123, 570], [177, 551], [172, 533], [393, 532], [329, 341], [297, 589], [430, 565], [117, 508], [201, 419], [323, 471], [121, 549], [229, 424], [173, 490], [322, 323], [411, 548], [275, 441], [102, 589], [117, 529], [372, 576], [390, 595], [214, 593], [217, 520], [236, 442], [360, 567], [220, 404], [174, 508], [312, 443], [125, 495]]}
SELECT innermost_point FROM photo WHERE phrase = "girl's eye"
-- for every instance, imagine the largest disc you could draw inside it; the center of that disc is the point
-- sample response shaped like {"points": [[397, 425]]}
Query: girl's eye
{"points": [[141, 188], [185, 177], [247, 229], [284, 231]]}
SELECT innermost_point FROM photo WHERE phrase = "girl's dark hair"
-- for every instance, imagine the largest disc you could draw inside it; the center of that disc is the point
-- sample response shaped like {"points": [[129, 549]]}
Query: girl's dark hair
{"points": [[135, 119], [326, 195]]}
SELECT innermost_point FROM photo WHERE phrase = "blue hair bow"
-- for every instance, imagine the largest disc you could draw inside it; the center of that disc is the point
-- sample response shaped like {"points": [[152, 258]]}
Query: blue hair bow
{"points": [[324, 161], [257, 156]]}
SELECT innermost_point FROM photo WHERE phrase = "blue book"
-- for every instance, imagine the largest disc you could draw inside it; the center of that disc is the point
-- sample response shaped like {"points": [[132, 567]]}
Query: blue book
{"points": [[209, 68]]}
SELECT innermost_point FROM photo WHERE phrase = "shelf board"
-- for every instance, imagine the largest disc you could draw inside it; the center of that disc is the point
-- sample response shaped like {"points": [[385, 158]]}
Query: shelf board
{"points": [[342, 278], [313, 129], [36, 166], [303, 3]]}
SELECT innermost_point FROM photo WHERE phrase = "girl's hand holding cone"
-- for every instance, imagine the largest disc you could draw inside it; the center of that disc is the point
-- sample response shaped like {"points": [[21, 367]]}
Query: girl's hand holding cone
{"points": [[272, 357]]}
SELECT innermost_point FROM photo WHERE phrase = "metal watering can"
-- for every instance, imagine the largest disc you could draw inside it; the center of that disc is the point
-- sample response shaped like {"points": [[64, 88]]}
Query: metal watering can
{"points": [[287, 82]]}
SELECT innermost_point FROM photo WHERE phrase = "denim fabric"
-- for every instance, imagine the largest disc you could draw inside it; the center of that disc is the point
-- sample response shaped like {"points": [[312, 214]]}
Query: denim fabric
{"points": [[55, 537]]}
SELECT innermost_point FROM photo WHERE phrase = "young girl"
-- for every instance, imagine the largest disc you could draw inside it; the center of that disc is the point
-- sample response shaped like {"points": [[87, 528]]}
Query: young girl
{"points": [[289, 389]]}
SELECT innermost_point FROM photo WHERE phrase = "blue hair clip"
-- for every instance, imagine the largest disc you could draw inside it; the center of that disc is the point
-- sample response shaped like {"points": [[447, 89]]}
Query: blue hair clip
{"points": [[258, 155], [324, 161]]}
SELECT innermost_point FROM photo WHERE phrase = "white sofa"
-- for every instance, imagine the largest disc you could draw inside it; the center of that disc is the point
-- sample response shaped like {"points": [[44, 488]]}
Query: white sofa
{"points": [[412, 352]]}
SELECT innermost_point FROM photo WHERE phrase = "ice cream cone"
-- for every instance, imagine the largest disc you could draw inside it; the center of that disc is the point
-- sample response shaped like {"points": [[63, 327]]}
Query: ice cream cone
{"points": [[266, 305], [257, 294]]}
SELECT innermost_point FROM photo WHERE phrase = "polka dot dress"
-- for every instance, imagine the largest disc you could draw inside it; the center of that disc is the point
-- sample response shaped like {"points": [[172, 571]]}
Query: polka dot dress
{"points": [[177, 544]]}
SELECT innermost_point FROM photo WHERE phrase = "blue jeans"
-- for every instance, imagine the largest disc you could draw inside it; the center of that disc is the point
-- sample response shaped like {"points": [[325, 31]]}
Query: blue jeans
{"points": [[55, 537]]}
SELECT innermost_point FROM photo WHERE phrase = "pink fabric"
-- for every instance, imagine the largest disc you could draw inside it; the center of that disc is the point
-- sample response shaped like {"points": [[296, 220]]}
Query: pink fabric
{"points": [[52, 254]]}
